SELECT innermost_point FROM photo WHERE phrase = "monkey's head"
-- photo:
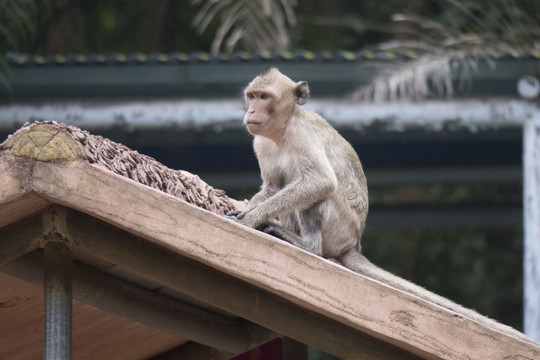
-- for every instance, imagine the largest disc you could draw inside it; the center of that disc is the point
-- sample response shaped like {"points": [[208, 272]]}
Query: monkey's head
{"points": [[270, 100]]}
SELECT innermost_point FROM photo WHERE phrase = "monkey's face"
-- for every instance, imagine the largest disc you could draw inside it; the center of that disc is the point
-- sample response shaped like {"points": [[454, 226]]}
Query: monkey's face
{"points": [[269, 102], [260, 108]]}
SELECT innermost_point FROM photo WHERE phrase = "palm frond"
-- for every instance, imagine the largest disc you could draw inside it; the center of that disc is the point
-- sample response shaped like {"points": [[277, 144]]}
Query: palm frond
{"points": [[17, 23], [259, 25], [453, 48]]}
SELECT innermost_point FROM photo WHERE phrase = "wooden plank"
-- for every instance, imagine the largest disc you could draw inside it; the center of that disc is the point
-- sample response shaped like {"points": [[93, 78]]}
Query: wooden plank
{"points": [[156, 311], [20, 238], [288, 272], [16, 197], [224, 291], [96, 333], [531, 214], [16, 175], [193, 351]]}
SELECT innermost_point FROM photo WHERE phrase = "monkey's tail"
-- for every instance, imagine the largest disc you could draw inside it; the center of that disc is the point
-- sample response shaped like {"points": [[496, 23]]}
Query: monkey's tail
{"points": [[357, 262]]}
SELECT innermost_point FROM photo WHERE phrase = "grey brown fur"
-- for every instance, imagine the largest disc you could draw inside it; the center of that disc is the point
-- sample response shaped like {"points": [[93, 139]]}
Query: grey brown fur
{"points": [[314, 193]]}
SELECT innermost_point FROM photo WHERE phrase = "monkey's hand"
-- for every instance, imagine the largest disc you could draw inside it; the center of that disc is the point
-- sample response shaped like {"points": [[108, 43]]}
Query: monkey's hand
{"points": [[232, 214], [252, 218], [270, 228], [245, 218]]}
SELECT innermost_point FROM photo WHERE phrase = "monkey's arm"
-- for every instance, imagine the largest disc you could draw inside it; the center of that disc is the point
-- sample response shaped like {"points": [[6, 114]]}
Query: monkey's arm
{"points": [[298, 195], [266, 191]]}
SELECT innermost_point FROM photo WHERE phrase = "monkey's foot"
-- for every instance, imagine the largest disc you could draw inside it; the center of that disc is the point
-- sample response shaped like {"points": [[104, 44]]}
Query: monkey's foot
{"points": [[231, 217], [281, 233], [232, 214]]}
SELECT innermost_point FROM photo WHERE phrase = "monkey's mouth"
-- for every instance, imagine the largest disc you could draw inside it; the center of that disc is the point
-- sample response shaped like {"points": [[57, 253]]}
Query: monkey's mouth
{"points": [[253, 123]]}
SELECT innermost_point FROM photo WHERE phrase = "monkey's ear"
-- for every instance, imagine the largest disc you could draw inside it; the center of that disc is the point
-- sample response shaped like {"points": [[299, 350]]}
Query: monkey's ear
{"points": [[301, 92]]}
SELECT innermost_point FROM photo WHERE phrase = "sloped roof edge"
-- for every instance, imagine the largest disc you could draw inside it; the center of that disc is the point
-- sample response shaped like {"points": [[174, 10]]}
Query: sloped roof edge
{"points": [[358, 304]]}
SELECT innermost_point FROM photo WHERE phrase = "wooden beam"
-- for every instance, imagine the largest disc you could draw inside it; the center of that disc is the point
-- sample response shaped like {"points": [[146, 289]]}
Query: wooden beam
{"points": [[16, 197], [291, 274], [293, 350], [193, 351], [224, 291], [104, 292], [20, 238]]}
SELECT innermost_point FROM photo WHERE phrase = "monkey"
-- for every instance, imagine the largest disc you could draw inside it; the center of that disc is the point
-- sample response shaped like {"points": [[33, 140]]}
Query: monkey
{"points": [[314, 192]]}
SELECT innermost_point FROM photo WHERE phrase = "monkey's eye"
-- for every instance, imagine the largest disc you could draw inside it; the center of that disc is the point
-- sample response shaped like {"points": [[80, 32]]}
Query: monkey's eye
{"points": [[264, 96], [250, 96]]}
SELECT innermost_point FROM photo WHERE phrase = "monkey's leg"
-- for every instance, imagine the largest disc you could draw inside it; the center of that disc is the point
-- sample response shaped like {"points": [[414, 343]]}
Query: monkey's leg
{"points": [[233, 216], [279, 232], [286, 235]]}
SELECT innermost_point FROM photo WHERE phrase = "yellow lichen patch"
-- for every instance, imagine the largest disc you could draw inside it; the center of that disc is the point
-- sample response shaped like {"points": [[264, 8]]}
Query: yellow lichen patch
{"points": [[45, 143]]}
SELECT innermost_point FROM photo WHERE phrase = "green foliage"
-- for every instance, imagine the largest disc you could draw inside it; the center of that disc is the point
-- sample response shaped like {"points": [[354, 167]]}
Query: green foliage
{"points": [[447, 195], [123, 26], [260, 25], [17, 26], [478, 267], [450, 45], [513, 22], [17, 19]]}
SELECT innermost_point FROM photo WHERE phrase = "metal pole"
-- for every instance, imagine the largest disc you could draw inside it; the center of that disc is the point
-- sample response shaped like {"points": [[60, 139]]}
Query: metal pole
{"points": [[58, 289], [531, 215]]}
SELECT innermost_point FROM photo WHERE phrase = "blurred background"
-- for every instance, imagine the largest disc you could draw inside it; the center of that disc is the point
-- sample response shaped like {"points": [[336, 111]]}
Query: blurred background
{"points": [[426, 91]]}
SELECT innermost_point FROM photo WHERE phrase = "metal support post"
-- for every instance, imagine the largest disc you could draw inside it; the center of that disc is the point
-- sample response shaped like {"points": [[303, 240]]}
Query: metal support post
{"points": [[58, 290], [531, 215]]}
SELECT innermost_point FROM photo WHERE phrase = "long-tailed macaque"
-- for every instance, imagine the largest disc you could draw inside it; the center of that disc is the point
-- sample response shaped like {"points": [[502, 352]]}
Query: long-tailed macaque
{"points": [[314, 185]]}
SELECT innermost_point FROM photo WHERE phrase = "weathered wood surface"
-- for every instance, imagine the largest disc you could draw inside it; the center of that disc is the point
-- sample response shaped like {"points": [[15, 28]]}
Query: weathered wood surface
{"points": [[531, 214], [20, 238], [224, 291], [16, 195], [302, 278], [94, 288], [96, 334], [307, 282]]}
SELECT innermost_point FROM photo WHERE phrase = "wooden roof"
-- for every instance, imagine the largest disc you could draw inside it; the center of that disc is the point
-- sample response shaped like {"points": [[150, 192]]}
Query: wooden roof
{"points": [[154, 274]]}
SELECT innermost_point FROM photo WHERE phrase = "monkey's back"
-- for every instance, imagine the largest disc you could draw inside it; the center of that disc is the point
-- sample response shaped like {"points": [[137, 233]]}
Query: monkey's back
{"points": [[344, 161]]}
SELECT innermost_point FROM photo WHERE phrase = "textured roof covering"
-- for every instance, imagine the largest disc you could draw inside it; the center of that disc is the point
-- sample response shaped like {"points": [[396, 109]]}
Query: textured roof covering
{"points": [[120, 160]]}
